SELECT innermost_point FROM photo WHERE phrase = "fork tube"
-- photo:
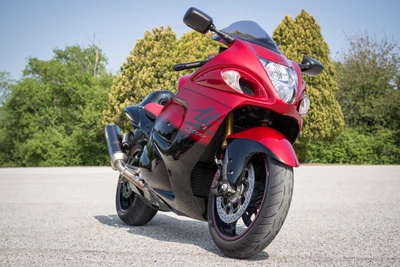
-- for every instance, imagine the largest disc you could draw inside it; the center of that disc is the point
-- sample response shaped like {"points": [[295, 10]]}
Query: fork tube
{"points": [[228, 128]]}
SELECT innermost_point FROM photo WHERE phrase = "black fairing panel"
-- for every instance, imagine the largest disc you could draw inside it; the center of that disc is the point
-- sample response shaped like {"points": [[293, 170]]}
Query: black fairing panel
{"points": [[180, 157], [239, 152], [170, 120], [133, 113], [152, 166], [161, 97], [180, 148], [137, 113], [160, 144], [140, 119]]}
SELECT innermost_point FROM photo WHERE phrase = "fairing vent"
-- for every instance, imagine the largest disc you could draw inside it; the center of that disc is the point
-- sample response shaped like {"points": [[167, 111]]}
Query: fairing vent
{"points": [[246, 88], [202, 177]]}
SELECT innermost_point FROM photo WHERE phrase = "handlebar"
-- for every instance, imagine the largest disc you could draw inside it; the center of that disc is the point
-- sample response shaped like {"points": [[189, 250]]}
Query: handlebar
{"points": [[189, 65]]}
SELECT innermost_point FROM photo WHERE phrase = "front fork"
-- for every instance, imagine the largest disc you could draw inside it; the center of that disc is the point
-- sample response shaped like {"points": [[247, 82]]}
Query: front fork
{"points": [[221, 184], [232, 158]]}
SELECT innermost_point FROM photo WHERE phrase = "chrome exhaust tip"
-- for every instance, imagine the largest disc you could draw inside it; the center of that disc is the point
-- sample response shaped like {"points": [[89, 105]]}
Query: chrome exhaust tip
{"points": [[118, 156], [113, 137]]}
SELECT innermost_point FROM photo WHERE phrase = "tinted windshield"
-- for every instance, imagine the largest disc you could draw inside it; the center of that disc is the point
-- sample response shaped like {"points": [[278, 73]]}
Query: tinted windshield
{"points": [[251, 32]]}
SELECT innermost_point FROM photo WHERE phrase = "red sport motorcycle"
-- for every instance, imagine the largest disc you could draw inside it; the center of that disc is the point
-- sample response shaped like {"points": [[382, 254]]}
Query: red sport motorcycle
{"points": [[220, 149]]}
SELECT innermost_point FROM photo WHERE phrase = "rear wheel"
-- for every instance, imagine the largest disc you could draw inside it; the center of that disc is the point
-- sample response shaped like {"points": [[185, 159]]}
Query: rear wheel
{"points": [[245, 223], [131, 209]]}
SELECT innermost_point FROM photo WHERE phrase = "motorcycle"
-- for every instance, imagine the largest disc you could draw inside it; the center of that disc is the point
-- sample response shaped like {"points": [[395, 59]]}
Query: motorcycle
{"points": [[220, 149]]}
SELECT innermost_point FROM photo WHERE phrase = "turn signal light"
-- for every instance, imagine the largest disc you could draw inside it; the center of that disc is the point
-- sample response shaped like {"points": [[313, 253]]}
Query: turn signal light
{"points": [[231, 78], [304, 106]]}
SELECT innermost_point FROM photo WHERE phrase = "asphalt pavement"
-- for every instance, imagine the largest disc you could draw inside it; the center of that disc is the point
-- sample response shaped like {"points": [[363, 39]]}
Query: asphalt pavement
{"points": [[340, 216]]}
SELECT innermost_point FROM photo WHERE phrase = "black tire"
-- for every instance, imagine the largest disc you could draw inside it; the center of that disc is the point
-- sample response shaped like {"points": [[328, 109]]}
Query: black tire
{"points": [[131, 209], [264, 216]]}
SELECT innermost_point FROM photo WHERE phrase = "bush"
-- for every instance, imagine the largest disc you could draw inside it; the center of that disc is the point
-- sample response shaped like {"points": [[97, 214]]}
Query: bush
{"points": [[354, 147]]}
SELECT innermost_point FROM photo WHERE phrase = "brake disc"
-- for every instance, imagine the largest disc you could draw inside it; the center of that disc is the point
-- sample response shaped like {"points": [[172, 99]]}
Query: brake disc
{"points": [[126, 190], [230, 209]]}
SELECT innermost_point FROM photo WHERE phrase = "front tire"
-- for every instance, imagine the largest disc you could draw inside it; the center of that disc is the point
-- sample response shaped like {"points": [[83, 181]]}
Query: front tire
{"points": [[245, 224], [131, 209]]}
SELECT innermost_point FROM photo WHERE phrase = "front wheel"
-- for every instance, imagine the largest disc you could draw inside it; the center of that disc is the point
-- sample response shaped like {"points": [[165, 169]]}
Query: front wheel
{"points": [[245, 223]]}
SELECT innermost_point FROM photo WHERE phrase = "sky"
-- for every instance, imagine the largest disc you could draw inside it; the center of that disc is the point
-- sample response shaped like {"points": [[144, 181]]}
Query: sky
{"points": [[33, 28]]}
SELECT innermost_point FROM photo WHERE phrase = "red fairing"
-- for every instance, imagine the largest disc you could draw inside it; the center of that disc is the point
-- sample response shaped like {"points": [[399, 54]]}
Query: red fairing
{"points": [[243, 56], [182, 80], [174, 113], [273, 140], [204, 115], [153, 108]]}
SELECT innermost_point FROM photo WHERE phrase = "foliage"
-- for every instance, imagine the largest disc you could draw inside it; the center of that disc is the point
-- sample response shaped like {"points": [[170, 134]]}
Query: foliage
{"points": [[353, 146], [52, 116], [149, 67], [5, 85], [368, 78], [194, 46], [297, 38]]}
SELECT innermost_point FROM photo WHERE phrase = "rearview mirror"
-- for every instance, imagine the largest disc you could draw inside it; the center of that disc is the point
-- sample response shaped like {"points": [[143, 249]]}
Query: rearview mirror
{"points": [[197, 20], [311, 66]]}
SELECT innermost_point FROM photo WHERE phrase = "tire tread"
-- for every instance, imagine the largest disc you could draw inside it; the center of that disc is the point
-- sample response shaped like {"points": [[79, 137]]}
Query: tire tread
{"points": [[270, 218]]}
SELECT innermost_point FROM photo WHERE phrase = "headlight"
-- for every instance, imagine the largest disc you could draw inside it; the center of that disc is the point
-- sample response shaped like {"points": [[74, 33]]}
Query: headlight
{"points": [[283, 78]]}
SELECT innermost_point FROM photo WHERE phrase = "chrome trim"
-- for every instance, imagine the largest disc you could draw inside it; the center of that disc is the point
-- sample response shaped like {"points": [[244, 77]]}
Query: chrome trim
{"points": [[118, 156]]}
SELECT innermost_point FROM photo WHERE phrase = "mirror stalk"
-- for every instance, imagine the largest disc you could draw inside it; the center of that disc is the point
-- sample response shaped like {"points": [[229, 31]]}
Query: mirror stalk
{"points": [[223, 35], [311, 66], [304, 67]]}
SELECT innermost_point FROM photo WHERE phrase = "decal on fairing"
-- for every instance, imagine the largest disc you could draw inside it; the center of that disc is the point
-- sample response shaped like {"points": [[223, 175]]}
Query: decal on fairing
{"points": [[202, 122]]}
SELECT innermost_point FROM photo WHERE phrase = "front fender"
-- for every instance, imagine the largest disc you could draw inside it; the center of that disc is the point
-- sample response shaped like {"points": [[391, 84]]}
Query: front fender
{"points": [[244, 144]]}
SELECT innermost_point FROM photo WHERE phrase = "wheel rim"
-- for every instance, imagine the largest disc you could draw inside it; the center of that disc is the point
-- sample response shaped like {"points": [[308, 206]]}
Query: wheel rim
{"points": [[233, 222], [230, 209], [126, 195]]}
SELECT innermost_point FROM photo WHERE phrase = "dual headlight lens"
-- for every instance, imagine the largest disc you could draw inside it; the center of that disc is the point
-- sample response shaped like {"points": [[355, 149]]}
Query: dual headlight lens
{"points": [[284, 79]]}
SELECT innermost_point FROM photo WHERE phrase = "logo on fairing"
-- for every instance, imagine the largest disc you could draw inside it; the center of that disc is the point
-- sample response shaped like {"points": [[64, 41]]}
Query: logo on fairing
{"points": [[202, 122]]}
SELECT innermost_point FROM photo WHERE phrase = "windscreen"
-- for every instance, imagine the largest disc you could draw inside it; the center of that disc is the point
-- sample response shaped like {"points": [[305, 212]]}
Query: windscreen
{"points": [[251, 32]]}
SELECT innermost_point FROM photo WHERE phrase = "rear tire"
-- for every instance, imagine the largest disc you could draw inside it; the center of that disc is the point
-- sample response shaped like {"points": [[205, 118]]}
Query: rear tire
{"points": [[131, 209], [265, 214]]}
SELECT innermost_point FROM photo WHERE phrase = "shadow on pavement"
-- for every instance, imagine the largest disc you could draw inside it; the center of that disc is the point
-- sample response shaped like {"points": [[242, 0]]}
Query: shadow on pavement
{"points": [[166, 228]]}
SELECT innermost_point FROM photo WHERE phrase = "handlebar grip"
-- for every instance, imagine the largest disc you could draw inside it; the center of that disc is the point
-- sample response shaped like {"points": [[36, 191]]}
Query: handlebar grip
{"points": [[178, 67], [189, 65], [196, 64]]}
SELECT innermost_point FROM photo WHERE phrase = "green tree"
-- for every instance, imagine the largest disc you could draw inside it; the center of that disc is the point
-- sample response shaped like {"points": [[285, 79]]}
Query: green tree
{"points": [[297, 38], [5, 85], [53, 114], [368, 79], [147, 68], [357, 147], [194, 46], [5, 89]]}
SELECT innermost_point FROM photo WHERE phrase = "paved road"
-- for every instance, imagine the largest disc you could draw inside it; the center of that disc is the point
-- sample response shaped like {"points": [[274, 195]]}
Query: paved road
{"points": [[340, 216]]}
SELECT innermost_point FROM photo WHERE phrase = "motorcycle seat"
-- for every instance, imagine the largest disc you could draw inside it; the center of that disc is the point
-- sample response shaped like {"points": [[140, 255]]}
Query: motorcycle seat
{"points": [[152, 110], [160, 98]]}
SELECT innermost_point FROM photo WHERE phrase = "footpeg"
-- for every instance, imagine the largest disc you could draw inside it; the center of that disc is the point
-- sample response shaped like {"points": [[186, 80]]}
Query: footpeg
{"points": [[130, 139]]}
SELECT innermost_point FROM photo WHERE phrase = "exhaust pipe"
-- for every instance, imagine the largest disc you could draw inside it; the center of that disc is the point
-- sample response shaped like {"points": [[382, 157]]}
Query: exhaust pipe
{"points": [[119, 157]]}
